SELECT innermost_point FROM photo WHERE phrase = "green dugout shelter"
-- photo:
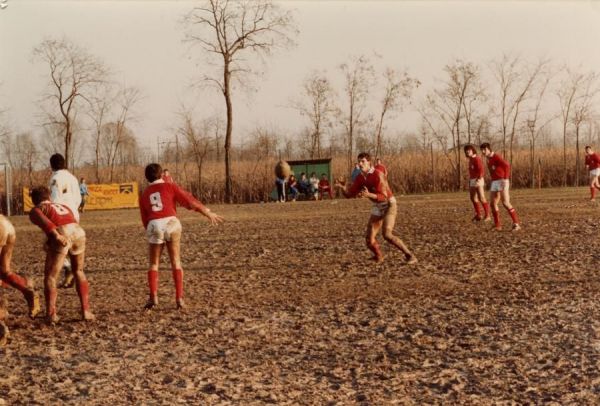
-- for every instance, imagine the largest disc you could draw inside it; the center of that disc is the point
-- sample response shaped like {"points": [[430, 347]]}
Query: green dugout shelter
{"points": [[308, 166]]}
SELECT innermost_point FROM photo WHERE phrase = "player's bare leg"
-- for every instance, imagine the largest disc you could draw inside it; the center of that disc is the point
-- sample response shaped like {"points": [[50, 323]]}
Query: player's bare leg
{"points": [[505, 197], [82, 285], [174, 250], [594, 184], [16, 281], [389, 221], [373, 227], [482, 199], [52, 267], [154, 252]]}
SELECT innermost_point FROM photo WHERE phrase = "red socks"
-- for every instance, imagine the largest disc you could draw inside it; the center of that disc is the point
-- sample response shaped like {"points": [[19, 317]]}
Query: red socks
{"points": [[153, 282], [496, 215], [513, 215], [477, 209], [486, 209], [593, 191], [374, 247], [178, 279], [16, 281], [83, 290]]}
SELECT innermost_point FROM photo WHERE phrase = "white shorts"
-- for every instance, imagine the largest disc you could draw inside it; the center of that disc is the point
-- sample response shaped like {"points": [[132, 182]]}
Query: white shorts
{"points": [[380, 209], [499, 185], [594, 173], [476, 182], [162, 230], [7, 231], [75, 236]]}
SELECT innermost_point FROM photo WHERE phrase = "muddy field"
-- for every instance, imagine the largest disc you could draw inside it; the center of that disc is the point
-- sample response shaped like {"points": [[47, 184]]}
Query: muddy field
{"points": [[284, 307]]}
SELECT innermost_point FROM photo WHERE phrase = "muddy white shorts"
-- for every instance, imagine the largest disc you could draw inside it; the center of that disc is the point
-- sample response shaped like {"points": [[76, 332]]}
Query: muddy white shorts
{"points": [[499, 185], [380, 209], [7, 231], [75, 236], [476, 182], [594, 172], [162, 230]]}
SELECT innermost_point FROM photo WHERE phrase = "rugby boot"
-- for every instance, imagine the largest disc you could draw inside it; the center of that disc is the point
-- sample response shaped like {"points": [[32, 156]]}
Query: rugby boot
{"points": [[181, 304], [33, 302], [410, 259], [151, 303]]}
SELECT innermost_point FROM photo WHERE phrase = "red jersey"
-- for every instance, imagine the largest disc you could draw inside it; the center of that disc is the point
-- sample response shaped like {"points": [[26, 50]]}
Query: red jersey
{"points": [[48, 216], [324, 184], [160, 200], [475, 167], [381, 168], [375, 182], [592, 161], [499, 168]]}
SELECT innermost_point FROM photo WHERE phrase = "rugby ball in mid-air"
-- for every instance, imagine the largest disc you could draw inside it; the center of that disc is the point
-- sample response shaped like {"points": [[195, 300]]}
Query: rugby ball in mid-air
{"points": [[283, 170]]}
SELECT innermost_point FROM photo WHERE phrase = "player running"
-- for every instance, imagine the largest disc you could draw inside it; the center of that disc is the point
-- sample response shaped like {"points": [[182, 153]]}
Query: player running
{"points": [[65, 236], [500, 174], [476, 184], [158, 210], [372, 184], [592, 163], [7, 245]]}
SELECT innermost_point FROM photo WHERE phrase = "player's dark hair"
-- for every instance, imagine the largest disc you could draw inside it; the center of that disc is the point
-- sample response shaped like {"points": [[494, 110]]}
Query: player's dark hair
{"points": [[364, 155], [470, 147], [486, 145], [57, 162], [39, 194], [153, 172], [587, 147]]}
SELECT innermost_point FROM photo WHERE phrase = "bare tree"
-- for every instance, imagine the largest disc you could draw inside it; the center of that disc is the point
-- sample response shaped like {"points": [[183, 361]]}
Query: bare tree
{"points": [[359, 77], [567, 95], [231, 31], [516, 80], [99, 113], [73, 75], [319, 109], [198, 140], [398, 88], [583, 111]]}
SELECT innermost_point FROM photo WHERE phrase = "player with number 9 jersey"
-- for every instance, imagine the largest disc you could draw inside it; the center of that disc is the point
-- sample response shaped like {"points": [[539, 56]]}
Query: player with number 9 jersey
{"points": [[158, 209]]}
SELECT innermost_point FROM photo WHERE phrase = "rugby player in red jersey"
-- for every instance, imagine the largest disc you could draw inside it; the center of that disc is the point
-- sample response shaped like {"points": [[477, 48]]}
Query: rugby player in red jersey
{"points": [[372, 184], [592, 163], [500, 174], [476, 184], [158, 205], [381, 167], [65, 236]]}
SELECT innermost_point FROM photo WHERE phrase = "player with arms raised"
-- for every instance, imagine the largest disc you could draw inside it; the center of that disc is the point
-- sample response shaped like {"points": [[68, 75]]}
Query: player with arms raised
{"points": [[592, 163], [65, 236], [158, 210], [476, 184], [372, 184], [500, 174]]}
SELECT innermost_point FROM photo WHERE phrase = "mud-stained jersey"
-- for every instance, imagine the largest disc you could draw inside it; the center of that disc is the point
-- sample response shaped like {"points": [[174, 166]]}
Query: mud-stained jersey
{"points": [[48, 216], [381, 168], [375, 183], [475, 167], [499, 168], [64, 189], [592, 161], [160, 200]]}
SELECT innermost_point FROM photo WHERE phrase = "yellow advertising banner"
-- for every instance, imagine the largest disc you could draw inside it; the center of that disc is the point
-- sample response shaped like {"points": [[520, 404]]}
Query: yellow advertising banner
{"points": [[102, 197]]}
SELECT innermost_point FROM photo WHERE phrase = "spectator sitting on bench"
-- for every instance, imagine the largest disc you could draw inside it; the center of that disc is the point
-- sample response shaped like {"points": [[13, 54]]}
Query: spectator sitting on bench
{"points": [[304, 184], [314, 185], [325, 187], [293, 185]]}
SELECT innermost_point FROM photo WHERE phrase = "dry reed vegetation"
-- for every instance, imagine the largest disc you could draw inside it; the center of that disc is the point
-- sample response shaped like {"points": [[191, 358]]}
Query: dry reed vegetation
{"points": [[409, 172]]}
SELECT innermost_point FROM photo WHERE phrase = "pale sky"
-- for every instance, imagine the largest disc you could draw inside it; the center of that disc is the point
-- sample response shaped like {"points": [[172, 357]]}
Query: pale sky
{"points": [[142, 41]]}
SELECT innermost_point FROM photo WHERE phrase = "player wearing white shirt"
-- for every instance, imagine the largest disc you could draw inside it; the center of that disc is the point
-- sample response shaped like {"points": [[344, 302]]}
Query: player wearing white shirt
{"points": [[64, 189]]}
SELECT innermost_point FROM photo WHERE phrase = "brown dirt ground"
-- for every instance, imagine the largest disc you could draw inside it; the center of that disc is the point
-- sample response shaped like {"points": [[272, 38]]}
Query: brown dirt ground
{"points": [[285, 308]]}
